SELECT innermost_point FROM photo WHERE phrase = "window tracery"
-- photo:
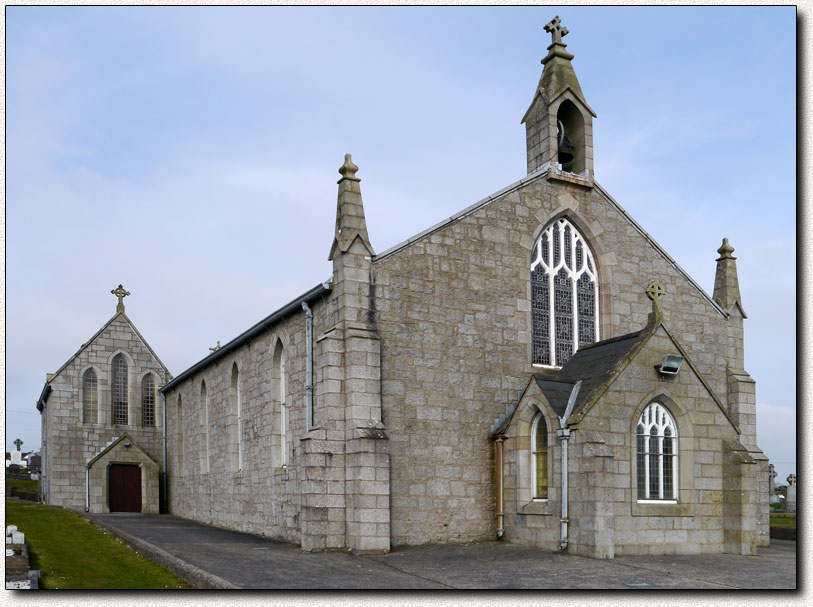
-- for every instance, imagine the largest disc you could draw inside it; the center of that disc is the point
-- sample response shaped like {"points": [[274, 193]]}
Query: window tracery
{"points": [[656, 454], [564, 294]]}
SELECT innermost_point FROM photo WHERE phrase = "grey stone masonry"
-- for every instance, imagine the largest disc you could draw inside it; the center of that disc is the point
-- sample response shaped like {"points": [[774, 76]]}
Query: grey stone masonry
{"points": [[70, 441], [558, 99]]}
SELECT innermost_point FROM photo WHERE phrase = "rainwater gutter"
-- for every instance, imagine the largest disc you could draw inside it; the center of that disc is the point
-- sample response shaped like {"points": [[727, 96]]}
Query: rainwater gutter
{"points": [[164, 447], [564, 436], [309, 364]]}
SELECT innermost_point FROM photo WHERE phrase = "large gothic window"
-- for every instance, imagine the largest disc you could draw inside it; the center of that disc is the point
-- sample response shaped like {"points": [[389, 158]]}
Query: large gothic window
{"points": [[564, 294], [119, 390], [90, 397], [656, 454]]}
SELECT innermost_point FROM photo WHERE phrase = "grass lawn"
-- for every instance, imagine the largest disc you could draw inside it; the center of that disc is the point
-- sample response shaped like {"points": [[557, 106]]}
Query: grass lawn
{"points": [[71, 552], [783, 520], [27, 485]]}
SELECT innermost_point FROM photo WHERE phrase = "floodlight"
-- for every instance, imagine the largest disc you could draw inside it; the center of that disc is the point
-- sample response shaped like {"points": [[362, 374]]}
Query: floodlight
{"points": [[670, 364]]}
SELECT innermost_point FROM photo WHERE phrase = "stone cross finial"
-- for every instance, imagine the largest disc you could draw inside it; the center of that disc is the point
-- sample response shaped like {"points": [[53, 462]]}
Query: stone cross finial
{"points": [[791, 479], [655, 291], [121, 294], [19, 444], [216, 348], [555, 29]]}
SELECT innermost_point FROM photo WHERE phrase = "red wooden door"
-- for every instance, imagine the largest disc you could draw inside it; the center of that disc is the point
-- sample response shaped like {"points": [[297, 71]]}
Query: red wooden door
{"points": [[124, 488]]}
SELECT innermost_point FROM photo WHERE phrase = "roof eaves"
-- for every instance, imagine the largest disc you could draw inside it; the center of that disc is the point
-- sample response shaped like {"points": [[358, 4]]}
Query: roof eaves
{"points": [[659, 248], [258, 328], [465, 212], [43, 399]]}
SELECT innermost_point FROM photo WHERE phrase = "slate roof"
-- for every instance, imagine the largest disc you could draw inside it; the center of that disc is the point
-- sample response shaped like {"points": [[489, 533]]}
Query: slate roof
{"points": [[594, 364]]}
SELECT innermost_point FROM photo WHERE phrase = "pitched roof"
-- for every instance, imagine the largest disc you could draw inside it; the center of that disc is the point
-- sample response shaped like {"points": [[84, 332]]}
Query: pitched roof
{"points": [[316, 292], [540, 174], [595, 365]]}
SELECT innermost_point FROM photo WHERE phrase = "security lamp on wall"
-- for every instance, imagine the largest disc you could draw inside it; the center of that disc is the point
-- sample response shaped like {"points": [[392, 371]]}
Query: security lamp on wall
{"points": [[670, 365]]}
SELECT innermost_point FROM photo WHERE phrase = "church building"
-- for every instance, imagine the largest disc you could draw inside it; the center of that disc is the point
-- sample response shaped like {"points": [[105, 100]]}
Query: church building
{"points": [[535, 368], [101, 427]]}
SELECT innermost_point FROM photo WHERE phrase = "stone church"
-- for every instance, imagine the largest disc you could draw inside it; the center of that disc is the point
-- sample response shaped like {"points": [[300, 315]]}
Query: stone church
{"points": [[535, 368]]}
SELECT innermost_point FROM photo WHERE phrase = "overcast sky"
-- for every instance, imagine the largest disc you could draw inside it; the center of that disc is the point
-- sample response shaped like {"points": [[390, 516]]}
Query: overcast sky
{"points": [[191, 154]]}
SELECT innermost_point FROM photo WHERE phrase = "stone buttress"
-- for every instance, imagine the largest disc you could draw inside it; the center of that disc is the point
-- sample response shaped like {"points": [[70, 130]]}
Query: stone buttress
{"points": [[346, 488], [746, 469]]}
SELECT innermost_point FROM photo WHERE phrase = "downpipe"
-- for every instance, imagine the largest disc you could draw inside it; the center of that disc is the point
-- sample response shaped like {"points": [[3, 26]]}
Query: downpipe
{"points": [[309, 364], [564, 437], [164, 447], [87, 488], [563, 433], [500, 501]]}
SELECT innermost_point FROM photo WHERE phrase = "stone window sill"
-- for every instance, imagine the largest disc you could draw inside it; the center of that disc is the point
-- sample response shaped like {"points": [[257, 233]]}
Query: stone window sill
{"points": [[536, 507], [662, 509]]}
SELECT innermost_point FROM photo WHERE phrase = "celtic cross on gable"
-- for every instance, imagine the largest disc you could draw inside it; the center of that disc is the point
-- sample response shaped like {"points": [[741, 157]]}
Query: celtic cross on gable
{"points": [[19, 444], [556, 29], [121, 294]]}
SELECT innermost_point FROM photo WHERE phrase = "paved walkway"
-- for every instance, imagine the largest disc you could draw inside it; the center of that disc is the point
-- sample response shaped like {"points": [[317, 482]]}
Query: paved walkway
{"points": [[209, 557]]}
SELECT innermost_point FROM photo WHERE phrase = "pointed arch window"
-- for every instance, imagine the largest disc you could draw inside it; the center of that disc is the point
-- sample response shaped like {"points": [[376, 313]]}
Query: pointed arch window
{"points": [[90, 397], [204, 428], [657, 454], [148, 401], [564, 294], [237, 421], [279, 424], [119, 390], [181, 458], [539, 450]]}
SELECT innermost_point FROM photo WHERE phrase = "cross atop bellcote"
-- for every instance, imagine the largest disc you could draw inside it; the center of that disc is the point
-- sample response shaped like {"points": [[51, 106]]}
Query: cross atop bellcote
{"points": [[556, 29], [121, 294]]}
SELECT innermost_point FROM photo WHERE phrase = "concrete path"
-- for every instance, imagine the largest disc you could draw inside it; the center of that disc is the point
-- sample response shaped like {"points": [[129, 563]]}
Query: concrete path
{"points": [[216, 558]]}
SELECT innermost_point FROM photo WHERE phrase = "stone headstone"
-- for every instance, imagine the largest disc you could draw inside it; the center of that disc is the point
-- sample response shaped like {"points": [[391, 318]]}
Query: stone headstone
{"points": [[790, 502]]}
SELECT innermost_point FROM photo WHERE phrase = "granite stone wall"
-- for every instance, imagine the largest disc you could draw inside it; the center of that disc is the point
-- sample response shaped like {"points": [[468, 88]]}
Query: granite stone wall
{"points": [[69, 442], [453, 313]]}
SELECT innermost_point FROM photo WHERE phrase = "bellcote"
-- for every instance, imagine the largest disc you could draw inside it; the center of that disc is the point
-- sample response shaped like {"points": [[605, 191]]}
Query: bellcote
{"points": [[350, 222], [559, 122]]}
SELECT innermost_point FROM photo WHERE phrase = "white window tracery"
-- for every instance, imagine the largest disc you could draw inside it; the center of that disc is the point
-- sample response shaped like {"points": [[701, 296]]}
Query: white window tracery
{"points": [[564, 294], [657, 454]]}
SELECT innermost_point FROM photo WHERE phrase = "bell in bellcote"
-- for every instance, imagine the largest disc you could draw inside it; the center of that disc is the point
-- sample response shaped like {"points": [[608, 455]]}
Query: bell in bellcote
{"points": [[566, 155]]}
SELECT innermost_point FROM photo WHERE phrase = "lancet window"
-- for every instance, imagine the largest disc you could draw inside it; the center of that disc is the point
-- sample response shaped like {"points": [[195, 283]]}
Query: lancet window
{"points": [[90, 397], [119, 390]]}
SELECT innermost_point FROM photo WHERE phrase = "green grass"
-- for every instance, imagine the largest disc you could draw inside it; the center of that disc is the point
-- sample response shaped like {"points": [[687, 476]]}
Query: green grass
{"points": [[71, 552], [27, 485], [783, 520]]}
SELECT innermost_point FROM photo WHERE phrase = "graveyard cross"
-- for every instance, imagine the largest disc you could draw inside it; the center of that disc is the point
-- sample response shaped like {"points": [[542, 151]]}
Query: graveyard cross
{"points": [[791, 479], [121, 294], [555, 29], [19, 444]]}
